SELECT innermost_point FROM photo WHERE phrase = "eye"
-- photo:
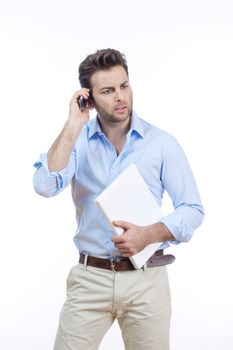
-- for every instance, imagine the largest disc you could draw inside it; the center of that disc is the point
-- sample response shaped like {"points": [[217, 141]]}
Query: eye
{"points": [[124, 86], [107, 91]]}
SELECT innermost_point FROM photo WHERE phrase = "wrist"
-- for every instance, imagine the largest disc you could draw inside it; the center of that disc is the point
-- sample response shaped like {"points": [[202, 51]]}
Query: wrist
{"points": [[74, 127], [158, 233]]}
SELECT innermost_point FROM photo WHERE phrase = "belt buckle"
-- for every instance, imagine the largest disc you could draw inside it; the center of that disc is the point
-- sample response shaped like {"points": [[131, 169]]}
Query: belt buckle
{"points": [[115, 260]]}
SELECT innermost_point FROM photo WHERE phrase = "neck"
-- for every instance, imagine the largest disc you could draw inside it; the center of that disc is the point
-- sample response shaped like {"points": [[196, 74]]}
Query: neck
{"points": [[116, 133]]}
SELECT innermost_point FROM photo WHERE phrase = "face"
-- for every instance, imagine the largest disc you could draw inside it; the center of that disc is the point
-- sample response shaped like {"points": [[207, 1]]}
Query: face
{"points": [[112, 95]]}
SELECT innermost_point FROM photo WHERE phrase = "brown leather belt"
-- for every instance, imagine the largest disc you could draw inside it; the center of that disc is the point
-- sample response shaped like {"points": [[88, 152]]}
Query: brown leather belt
{"points": [[124, 264]]}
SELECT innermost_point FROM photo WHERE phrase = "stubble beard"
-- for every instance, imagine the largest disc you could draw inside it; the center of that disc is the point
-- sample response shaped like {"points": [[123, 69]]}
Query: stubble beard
{"points": [[111, 118], [108, 118]]}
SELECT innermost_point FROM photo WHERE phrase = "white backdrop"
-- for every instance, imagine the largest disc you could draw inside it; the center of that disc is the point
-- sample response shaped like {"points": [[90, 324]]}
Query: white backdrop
{"points": [[180, 56]]}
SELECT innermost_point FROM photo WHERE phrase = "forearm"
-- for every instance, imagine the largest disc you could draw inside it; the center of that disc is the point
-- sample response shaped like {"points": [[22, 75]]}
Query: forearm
{"points": [[158, 232], [60, 151], [56, 168]]}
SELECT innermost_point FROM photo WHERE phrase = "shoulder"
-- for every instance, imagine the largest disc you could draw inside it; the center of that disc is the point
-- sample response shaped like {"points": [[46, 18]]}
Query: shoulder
{"points": [[161, 141], [159, 135]]}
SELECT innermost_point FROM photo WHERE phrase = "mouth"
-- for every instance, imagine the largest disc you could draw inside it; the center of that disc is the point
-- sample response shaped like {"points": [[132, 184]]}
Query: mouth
{"points": [[121, 108]]}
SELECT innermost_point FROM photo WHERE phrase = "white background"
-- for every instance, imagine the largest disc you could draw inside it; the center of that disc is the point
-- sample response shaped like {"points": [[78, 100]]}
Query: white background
{"points": [[180, 56]]}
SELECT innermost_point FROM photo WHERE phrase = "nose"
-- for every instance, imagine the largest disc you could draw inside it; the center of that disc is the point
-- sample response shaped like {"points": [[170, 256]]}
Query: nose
{"points": [[118, 95]]}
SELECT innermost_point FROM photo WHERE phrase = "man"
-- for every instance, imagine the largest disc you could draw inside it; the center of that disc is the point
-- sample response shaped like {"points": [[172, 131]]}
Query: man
{"points": [[90, 154]]}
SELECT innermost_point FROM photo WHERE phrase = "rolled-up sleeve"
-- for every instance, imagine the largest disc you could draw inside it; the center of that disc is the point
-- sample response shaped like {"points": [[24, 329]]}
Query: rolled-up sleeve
{"points": [[179, 182], [49, 184]]}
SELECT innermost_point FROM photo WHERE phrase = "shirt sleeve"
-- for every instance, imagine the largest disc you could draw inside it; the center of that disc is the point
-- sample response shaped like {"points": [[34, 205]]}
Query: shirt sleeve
{"points": [[49, 184], [179, 182]]}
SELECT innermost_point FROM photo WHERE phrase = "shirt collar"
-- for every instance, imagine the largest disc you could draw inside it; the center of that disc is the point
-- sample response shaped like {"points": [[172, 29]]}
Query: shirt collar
{"points": [[136, 125], [93, 128]]}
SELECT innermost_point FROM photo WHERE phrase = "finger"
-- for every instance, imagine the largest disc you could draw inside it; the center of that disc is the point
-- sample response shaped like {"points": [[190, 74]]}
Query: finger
{"points": [[125, 252], [118, 238], [124, 224], [82, 92], [121, 246]]}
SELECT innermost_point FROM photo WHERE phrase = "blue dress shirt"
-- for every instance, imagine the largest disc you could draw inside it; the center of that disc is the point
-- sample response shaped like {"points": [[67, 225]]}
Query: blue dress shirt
{"points": [[94, 164]]}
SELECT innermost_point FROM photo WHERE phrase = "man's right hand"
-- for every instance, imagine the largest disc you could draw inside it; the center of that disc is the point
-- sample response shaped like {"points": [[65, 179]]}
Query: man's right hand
{"points": [[75, 114], [60, 151]]}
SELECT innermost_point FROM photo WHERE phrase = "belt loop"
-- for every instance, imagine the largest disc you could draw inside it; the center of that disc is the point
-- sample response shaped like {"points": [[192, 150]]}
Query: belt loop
{"points": [[85, 261], [112, 265], [145, 267]]}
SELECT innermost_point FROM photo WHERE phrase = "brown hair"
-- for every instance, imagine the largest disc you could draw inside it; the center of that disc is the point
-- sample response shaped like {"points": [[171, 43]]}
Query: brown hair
{"points": [[100, 60]]}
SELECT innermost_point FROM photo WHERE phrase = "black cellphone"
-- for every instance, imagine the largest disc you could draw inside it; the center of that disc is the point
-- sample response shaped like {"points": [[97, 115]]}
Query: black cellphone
{"points": [[82, 102]]}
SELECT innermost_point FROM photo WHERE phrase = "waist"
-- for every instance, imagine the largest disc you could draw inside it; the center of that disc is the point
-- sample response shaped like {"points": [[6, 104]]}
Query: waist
{"points": [[121, 264], [99, 244]]}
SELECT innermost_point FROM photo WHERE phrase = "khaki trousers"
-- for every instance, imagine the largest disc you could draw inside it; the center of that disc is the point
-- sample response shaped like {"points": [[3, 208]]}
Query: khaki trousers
{"points": [[139, 300]]}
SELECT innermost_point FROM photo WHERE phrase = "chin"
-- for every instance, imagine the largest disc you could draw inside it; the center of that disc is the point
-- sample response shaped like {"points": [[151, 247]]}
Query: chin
{"points": [[123, 115], [121, 118]]}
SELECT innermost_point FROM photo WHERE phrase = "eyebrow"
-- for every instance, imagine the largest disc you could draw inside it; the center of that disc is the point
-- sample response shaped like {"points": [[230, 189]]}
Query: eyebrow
{"points": [[111, 87]]}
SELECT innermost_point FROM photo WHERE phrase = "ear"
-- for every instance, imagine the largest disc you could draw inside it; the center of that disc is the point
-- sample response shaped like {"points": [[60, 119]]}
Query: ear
{"points": [[90, 104]]}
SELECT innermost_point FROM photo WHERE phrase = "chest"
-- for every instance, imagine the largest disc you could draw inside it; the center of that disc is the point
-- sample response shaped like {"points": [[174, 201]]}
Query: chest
{"points": [[98, 164]]}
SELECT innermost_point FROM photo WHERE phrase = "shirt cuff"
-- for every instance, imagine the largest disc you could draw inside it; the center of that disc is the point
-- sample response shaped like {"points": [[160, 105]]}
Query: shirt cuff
{"points": [[48, 183], [178, 228]]}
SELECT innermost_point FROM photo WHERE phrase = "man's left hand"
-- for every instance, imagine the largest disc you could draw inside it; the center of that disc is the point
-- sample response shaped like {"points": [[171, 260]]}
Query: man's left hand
{"points": [[132, 241]]}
